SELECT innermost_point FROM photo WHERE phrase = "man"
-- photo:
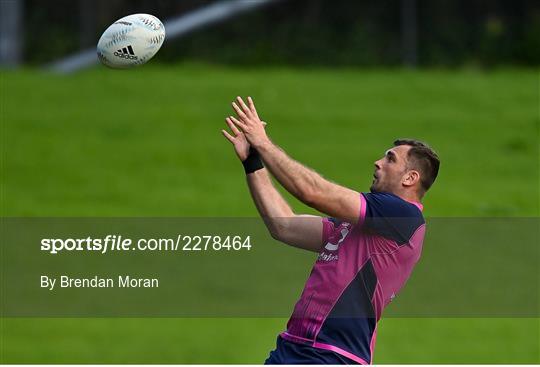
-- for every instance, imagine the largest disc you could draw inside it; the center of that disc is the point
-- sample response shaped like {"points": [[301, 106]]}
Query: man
{"points": [[367, 248]]}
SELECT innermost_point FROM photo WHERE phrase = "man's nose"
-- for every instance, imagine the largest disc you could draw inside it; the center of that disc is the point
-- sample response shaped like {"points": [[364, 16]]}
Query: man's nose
{"points": [[377, 165]]}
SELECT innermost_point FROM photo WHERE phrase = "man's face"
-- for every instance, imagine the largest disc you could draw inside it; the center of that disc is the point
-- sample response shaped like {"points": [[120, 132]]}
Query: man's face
{"points": [[390, 169]]}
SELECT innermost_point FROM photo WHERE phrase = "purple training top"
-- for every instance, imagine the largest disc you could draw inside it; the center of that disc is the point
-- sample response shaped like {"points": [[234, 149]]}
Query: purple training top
{"points": [[358, 272]]}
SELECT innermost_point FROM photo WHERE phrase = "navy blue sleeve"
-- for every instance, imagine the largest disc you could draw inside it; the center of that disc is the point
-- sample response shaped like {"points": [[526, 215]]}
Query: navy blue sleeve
{"points": [[391, 217]]}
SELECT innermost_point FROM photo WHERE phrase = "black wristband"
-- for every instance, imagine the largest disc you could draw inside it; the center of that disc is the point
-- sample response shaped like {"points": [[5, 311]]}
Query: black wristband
{"points": [[253, 162]]}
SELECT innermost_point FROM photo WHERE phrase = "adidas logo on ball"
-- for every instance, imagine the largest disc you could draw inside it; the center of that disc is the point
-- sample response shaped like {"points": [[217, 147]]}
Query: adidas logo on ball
{"points": [[144, 33], [126, 53]]}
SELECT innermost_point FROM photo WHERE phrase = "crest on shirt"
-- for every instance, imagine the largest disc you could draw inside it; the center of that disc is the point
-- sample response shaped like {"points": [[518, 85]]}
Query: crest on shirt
{"points": [[344, 232]]}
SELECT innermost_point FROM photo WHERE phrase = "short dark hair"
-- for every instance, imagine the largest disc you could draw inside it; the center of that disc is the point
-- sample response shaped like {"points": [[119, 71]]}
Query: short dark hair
{"points": [[422, 158]]}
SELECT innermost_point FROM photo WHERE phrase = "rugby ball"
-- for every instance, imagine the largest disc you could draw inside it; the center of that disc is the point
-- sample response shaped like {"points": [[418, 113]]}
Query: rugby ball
{"points": [[131, 41]]}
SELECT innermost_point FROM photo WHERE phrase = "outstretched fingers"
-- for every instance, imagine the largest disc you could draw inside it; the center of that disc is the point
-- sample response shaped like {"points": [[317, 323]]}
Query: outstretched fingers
{"points": [[232, 126], [238, 123], [228, 136], [239, 111], [245, 108], [252, 107]]}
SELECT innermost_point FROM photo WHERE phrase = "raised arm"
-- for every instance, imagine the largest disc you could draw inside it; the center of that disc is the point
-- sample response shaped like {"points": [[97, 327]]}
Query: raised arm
{"points": [[303, 231], [305, 184]]}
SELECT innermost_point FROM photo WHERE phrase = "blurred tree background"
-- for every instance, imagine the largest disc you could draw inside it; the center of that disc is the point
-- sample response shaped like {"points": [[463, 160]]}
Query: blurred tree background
{"points": [[309, 32]]}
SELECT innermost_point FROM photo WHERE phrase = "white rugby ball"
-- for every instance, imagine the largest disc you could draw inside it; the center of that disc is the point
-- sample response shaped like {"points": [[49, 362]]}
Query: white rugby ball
{"points": [[131, 41]]}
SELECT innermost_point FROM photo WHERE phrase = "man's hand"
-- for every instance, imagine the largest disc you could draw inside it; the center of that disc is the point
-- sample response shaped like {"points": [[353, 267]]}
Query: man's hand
{"points": [[239, 141], [249, 122]]}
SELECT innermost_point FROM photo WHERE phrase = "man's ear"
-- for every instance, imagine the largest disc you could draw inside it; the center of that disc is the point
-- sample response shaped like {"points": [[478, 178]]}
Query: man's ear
{"points": [[411, 178]]}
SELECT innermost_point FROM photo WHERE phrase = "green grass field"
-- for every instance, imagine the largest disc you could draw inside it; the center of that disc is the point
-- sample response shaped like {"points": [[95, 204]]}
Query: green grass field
{"points": [[147, 142]]}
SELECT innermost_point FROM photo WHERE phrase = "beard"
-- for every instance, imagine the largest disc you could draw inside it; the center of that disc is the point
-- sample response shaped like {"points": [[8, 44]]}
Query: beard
{"points": [[379, 186], [375, 187]]}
